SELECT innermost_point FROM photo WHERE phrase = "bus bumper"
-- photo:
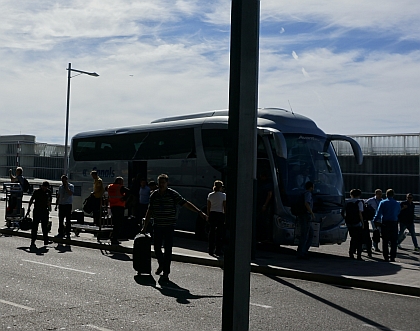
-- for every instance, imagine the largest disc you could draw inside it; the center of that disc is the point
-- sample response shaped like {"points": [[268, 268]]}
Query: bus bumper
{"points": [[336, 235]]}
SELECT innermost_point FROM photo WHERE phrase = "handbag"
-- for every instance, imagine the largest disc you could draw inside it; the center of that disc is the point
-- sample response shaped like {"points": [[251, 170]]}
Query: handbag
{"points": [[88, 204], [25, 224]]}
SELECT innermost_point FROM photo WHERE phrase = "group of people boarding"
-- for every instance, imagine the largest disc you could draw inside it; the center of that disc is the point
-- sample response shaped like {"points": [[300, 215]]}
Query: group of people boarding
{"points": [[389, 219], [152, 201]]}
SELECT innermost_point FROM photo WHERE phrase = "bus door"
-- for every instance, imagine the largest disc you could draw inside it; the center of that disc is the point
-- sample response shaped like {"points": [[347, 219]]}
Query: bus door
{"points": [[136, 169], [271, 141]]}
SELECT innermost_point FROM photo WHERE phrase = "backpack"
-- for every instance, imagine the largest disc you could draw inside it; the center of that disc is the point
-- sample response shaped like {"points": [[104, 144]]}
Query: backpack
{"points": [[368, 212], [298, 207], [26, 185], [352, 212]]}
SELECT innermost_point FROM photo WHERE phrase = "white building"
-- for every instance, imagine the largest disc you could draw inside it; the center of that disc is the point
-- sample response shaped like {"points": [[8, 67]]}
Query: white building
{"points": [[38, 160]]}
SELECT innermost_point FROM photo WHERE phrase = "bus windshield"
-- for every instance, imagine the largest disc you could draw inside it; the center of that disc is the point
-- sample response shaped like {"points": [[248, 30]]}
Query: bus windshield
{"points": [[311, 158]]}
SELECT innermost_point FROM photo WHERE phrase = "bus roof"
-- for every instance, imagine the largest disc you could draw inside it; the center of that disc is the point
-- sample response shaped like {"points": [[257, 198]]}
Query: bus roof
{"points": [[277, 118]]}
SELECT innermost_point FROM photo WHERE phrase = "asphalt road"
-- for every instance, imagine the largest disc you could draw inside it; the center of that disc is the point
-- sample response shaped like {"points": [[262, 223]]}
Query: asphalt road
{"points": [[74, 288]]}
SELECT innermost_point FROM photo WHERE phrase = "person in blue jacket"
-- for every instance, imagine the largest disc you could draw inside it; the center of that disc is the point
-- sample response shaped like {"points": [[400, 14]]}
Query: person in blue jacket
{"points": [[387, 217]]}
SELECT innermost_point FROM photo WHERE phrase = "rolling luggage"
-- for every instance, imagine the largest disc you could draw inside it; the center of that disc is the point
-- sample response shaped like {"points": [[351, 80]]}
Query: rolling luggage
{"points": [[142, 258]]}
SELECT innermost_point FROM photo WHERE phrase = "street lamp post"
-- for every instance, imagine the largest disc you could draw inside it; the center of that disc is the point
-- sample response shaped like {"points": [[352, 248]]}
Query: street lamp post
{"points": [[69, 70]]}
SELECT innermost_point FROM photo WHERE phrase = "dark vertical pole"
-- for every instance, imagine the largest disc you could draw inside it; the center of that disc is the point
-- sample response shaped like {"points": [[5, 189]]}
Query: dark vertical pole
{"points": [[243, 89], [66, 156]]}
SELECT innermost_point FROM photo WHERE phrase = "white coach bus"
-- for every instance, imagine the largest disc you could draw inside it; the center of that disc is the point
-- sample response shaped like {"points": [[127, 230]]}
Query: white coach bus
{"points": [[193, 149]]}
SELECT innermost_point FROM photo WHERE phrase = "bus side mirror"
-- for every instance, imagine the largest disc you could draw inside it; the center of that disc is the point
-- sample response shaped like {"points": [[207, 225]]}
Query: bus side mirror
{"points": [[357, 151]]}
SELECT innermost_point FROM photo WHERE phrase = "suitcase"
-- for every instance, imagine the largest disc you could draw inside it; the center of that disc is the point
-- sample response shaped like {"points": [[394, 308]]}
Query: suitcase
{"points": [[78, 215], [142, 258]]}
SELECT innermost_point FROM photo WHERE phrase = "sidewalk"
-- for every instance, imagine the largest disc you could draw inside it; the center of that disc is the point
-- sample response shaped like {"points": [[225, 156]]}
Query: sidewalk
{"points": [[327, 264]]}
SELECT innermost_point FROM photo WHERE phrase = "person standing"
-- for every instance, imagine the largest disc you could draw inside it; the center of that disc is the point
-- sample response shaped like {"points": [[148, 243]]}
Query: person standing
{"points": [[144, 198], [406, 219], [372, 204], [354, 222], [306, 231], [116, 199], [65, 203], [41, 213], [162, 207], [18, 178], [387, 216], [152, 185], [216, 209], [98, 191]]}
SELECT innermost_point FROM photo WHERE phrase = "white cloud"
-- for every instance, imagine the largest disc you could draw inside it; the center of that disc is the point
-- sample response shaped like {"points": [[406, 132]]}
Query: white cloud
{"points": [[178, 55], [379, 14], [305, 73]]}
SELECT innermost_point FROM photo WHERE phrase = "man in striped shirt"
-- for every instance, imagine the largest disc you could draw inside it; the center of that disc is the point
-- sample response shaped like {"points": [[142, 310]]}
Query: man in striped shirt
{"points": [[162, 207]]}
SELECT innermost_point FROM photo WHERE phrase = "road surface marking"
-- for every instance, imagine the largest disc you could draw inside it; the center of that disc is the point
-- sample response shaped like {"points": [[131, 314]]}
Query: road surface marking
{"points": [[379, 327], [262, 306], [16, 305], [57, 266], [97, 327]]}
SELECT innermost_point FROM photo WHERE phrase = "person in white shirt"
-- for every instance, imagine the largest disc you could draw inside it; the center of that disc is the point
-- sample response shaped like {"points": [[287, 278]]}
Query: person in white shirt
{"points": [[216, 207]]}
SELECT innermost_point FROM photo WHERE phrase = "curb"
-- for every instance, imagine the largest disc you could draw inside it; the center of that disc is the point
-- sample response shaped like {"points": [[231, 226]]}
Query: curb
{"points": [[255, 268]]}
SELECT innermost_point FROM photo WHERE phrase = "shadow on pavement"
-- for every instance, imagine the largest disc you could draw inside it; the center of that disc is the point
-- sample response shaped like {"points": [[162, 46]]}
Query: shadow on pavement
{"points": [[325, 263], [145, 280], [63, 248], [117, 256], [182, 295], [37, 251], [170, 289], [331, 304]]}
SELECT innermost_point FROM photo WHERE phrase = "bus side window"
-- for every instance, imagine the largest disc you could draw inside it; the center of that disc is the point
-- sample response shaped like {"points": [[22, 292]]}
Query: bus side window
{"points": [[214, 145], [167, 144]]}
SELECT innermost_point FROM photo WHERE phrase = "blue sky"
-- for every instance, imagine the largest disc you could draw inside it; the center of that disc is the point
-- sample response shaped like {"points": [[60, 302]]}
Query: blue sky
{"points": [[351, 66]]}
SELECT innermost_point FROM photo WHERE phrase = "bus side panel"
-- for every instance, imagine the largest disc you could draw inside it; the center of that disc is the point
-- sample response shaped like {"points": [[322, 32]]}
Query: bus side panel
{"points": [[107, 170]]}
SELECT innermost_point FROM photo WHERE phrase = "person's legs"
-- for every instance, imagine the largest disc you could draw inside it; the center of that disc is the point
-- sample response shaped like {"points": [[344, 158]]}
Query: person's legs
{"points": [[393, 237], [117, 220], [68, 209], [212, 233], [97, 204], [403, 226], [366, 238], [34, 231], [304, 233], [359, 242], [353, 246], [157, 244], [44, 226], [309, 237], [220, 229], [168, 236], [376, 237], [61, 216], [385, 240], [412, 231]]}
